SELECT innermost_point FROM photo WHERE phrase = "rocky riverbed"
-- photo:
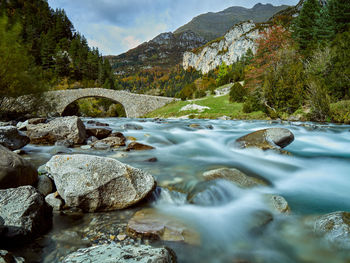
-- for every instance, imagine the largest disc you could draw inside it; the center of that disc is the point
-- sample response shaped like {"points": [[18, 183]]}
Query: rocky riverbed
{"points": [[153, 190]]}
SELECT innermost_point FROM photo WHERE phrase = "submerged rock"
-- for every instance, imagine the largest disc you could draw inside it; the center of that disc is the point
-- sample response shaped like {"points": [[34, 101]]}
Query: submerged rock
{"points": [[14, 170], [267, 139], [149, 223], [335, 227], [97, 123], [135, 146], [277, 203], [59, 129], [25, 214], [95, 183], [130, 126], [118, 253], [12, 139], [235, 176]]}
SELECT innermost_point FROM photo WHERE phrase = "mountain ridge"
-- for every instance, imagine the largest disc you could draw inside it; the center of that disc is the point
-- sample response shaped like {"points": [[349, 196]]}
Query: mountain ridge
{"points": [[224, 20]]}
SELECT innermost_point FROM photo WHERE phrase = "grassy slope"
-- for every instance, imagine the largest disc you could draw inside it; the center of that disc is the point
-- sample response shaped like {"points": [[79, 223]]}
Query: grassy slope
{"points": [[219, 106]]}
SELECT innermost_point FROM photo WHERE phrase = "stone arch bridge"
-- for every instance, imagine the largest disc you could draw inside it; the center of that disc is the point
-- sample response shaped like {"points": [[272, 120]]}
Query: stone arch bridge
{"points": [[55, 102]]}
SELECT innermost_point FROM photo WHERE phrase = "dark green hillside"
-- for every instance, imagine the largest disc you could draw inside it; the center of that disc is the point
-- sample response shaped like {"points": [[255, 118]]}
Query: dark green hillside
{"points": [[213, 25]]}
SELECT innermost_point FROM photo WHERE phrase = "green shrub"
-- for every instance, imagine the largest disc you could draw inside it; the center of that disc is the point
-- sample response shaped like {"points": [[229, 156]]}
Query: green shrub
{"points": [[318, 100], [253, 103], [340, 111], [237, 93]]}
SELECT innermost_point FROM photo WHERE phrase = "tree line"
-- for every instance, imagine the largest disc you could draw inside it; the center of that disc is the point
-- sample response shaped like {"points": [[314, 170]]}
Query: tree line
{"points": [[39, 48]]}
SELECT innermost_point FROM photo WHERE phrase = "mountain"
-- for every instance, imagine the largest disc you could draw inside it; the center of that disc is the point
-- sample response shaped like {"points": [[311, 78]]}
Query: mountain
{"points": [[165, 50], [213, 25]]}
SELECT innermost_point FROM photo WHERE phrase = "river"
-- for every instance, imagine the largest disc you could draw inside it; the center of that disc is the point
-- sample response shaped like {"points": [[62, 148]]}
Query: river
{"points": [[314, 179]]}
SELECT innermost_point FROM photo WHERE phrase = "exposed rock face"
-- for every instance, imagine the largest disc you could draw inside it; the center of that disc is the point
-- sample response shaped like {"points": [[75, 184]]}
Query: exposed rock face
{"points": [[11, 138], [135, 146], [228, 49], [234, 175], [25, 213], [94, 183], [151, 224], [14, 170], [335, 227], [59, 129], [118, 253], [267, 139]]}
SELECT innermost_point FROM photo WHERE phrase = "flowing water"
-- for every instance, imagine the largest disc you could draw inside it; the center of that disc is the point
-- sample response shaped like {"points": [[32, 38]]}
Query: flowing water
{"points": [[314, 179]]}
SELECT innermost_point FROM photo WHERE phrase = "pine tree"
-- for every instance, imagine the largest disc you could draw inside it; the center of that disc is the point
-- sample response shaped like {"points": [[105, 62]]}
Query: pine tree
{"points": [[325, 27], [339, 11], [305, 25]]}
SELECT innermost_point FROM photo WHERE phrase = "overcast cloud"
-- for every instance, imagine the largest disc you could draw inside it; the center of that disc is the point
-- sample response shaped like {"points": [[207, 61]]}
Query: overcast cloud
{"points": [[115, 26]]}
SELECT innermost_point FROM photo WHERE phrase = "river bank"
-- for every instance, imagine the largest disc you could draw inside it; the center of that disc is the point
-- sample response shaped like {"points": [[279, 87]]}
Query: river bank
{"points": [[219, 106], [198, 218]]}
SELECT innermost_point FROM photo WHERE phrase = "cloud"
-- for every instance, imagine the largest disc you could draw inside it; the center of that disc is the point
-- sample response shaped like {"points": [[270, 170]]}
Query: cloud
{"points": [[115, 26]]}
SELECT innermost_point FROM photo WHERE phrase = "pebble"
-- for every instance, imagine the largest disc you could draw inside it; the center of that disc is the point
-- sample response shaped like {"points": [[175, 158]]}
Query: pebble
{"points": [[121, 237]]}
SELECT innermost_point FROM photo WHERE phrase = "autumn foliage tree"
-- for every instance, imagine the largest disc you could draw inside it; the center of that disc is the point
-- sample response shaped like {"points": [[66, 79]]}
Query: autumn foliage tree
{"points": [[268, 45]]}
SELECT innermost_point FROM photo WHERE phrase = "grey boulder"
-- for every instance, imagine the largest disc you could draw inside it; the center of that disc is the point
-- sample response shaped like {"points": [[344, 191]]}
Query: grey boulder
{"points": [[25, 214], [14, 170], [95, 183], [12, 139], [115, 253], [59, 129], [266, 139]]}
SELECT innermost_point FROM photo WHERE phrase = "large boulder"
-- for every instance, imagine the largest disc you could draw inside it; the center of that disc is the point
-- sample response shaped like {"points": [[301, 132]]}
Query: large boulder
{"points": [[335, 227], [149, 223], [11, 138], [118, 253], [98, 132], [14, 170], [95, 183], [25, 214], [235, 176], [58, 129], [266, 139]]}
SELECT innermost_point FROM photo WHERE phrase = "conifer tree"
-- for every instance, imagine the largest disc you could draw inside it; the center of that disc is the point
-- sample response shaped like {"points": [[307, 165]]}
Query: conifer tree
{"points": [[305, 25], [339, 11]]}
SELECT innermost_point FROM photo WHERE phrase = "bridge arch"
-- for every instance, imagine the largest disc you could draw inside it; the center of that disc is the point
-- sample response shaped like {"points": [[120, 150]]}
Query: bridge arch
{"points": [[73, 108], [135, 105]]}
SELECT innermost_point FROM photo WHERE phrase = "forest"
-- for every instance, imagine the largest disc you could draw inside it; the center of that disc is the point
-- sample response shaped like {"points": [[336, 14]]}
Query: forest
{"points": [[41, 50]]}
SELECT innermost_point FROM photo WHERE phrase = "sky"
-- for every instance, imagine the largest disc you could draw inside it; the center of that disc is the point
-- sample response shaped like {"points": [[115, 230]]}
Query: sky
{"points": [[115, 26]]}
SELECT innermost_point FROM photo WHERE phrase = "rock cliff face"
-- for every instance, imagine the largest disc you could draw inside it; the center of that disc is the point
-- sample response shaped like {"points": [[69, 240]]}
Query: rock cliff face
{"points": [[227, 49]]}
